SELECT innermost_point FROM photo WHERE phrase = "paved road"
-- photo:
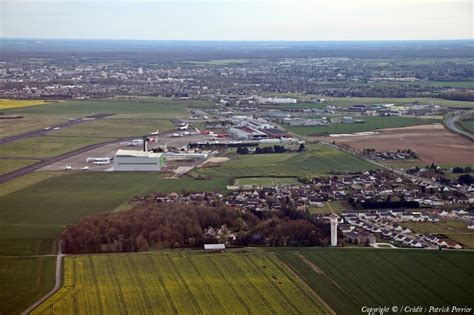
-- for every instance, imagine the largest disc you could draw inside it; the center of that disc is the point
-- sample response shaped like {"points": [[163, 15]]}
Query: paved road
{"points": [[47, 161], [43, 131], [57, 285], [450, 123]]}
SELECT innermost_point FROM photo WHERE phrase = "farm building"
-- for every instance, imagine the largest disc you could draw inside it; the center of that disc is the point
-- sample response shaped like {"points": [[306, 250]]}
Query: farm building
{"points": [[131, 160]]}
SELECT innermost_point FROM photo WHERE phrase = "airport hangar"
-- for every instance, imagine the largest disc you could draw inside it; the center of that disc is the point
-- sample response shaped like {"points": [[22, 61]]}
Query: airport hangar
{"points": [[130, 160]]}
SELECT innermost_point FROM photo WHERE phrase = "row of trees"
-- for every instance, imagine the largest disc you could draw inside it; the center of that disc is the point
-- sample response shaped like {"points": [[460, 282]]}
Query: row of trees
{"points": [[154, 225]]}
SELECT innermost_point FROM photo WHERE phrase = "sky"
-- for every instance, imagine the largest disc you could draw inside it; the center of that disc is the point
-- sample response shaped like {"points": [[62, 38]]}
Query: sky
{"points": [[238, 20]]}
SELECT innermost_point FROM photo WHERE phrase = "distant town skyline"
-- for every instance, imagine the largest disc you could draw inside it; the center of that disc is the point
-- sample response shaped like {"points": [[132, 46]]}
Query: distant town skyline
{"points": [[238, 20]]}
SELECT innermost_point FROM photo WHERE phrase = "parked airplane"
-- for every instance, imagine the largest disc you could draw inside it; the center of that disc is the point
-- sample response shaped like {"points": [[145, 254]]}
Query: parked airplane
{"points": [[184, 127], [155, 133]]}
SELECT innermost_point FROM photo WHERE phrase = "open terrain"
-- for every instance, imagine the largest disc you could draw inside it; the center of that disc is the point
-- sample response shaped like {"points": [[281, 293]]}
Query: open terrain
{"points": [[4, 103], [66, 199], [351, 278], [467, 125], [370, 124], [454, 229], [316, 160], [181, 282], [8, 165], [432, 143], [266, 181], [23, 280]]}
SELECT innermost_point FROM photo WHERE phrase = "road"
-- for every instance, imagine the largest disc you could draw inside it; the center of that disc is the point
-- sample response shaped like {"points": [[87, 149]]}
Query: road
{"points": [[451, 121], [57, 285], [42, 131]]}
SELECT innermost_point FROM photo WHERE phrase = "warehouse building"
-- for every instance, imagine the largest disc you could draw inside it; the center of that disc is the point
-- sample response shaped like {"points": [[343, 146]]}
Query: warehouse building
{"points": [[131, 160]]}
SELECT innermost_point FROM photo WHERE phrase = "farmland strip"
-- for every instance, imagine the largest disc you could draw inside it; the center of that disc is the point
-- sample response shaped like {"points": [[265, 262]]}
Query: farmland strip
{"points": [[157, 273], [96, 287], [113, 272]]}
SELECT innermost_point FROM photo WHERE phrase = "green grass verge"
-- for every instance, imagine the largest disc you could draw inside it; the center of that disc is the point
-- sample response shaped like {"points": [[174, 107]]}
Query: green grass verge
{"points": [[23, 281], [467, 125], [348, 279], [330, 206], [316, 160], [266, 181], [371, 124], [181, 282]]}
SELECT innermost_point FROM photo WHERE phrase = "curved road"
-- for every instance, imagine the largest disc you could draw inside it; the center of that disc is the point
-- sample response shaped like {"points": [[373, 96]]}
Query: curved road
{"points": [[450, 123]]}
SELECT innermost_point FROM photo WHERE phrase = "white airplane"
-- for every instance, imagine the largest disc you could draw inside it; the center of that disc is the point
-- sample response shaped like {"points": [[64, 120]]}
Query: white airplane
{"points": [[205, 117], [184, 127], [176, 135], [155, 133], [85, 168], [68, 167]]}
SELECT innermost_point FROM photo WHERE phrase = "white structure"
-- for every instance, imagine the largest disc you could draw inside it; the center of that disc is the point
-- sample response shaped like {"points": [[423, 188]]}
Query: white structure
{"points": [[216, 247], [130, 160], [333, 219]]}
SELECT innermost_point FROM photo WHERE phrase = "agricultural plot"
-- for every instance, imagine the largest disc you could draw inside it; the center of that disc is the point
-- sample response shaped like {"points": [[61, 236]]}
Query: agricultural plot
{"points": [[371, 124], [454, 229], [66, 199], [180, 282], [117, 128], [317, 160], [351, 278], [5, 103], [46, 146], [9, 165], [266, 181], [23, 281]]}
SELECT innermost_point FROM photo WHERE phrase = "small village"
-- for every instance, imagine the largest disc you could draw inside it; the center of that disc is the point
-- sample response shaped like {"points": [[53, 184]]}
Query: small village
{"points": [[378, 205]]}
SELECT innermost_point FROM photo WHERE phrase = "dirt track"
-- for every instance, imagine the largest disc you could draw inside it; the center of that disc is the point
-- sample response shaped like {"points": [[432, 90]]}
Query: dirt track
{"points": [[432, 143]]}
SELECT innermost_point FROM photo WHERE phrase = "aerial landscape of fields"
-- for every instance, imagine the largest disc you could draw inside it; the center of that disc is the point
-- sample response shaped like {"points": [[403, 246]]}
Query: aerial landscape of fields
{"points": [[236, 157]]}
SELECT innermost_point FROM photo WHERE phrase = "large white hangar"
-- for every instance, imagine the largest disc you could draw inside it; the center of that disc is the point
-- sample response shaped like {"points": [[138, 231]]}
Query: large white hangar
{"points": [[131, 160]]}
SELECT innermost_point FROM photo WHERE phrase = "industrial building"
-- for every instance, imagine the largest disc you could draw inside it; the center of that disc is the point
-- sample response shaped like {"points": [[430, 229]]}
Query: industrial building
{"points": [[246, 133], [131, 160]]}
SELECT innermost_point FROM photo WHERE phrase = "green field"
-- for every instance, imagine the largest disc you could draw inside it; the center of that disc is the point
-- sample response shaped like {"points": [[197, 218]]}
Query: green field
{"points": [[27, 180], [154, 107], [454, 229], [266, 181], [9, 165], [371, 123], [180, 282], [348, 279], [330, 206], [316, 160], [9, 127], [46, 146], [468, 125], [23, 281], [116, 128], [41, 210]]}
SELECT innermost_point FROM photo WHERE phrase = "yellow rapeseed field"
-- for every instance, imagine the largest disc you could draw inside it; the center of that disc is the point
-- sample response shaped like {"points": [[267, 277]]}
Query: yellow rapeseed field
{"points": [[5, 103]]}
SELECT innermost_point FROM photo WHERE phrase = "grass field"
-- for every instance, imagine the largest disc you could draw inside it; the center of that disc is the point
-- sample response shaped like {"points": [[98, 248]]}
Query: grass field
{"points": [[41, 210], [316, 160], [5, 103], [116, 128], [330, 206], [266, 181], [9, 127], [468, 125], [46, 146], [23, 281], [9, 165], [371, 123], [27, 180], [180, 282], [158, 108], [348, 279], [454, 229]]}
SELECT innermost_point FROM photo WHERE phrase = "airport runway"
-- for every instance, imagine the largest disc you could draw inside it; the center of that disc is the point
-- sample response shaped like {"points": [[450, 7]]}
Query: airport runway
{"points": [[42, 131]]}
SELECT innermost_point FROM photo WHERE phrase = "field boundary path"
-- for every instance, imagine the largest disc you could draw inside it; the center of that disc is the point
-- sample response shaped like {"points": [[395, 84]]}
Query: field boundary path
{"points": [[57, 285], [42, 131], [451, 123]]}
